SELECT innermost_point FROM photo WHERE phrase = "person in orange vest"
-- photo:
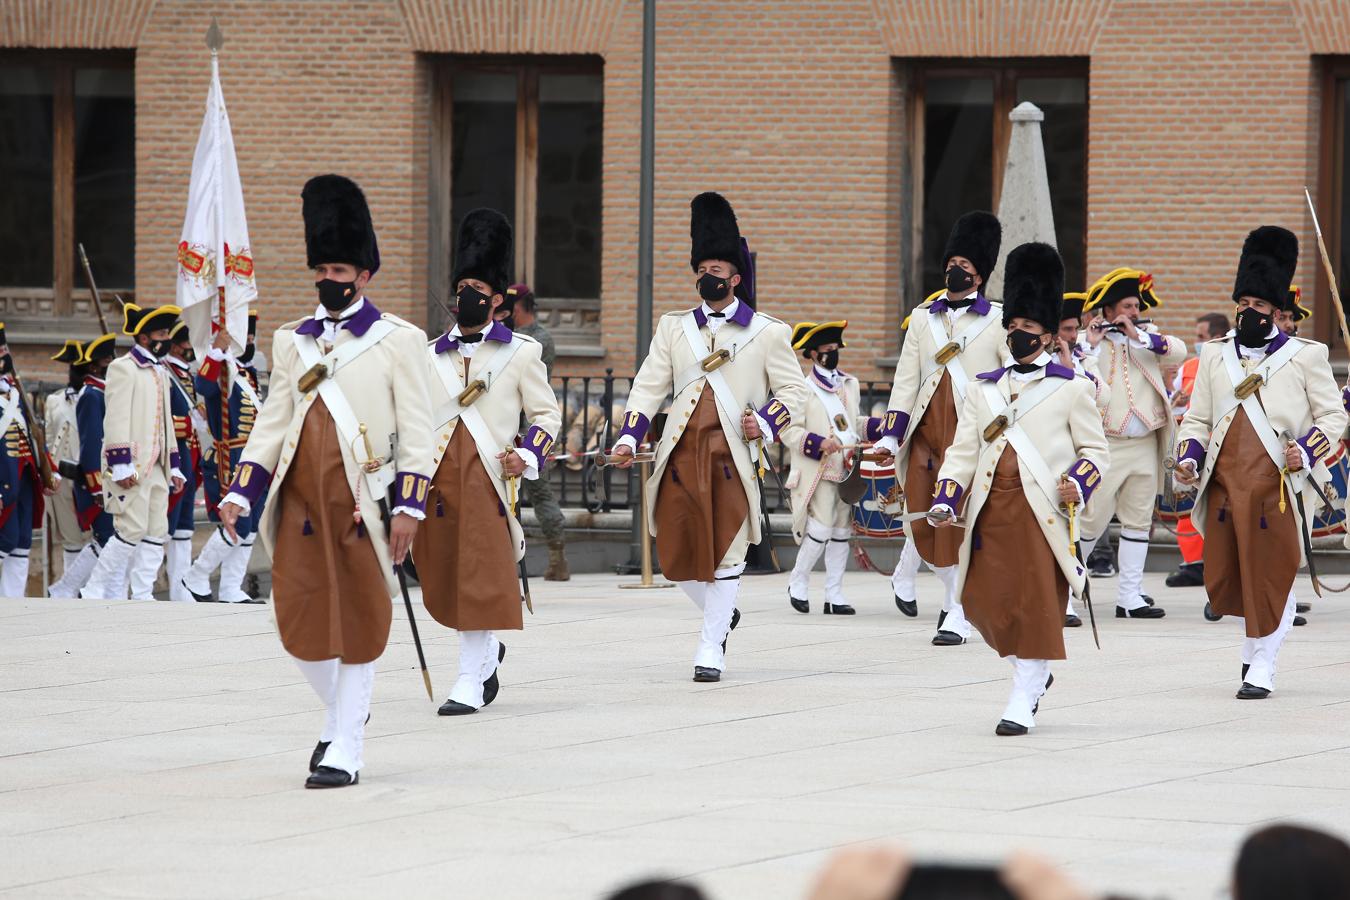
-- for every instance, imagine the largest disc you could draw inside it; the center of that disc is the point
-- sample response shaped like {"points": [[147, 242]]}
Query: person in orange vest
{"points": [[1191, 572]]}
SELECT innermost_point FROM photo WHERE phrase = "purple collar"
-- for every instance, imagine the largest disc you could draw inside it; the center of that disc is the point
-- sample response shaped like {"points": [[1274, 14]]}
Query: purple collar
{"points": [[496, 332], [142, 357], [741, 316], [1277, 342], [358, 323], [1052, 370], [980, 306]]}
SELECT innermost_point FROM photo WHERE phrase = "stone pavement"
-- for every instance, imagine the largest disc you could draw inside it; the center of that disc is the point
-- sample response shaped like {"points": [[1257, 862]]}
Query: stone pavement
{"points": [[158, 750]]}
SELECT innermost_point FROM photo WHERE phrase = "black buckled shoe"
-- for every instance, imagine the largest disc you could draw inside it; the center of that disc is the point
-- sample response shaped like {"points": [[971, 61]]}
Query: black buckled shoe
{"points": [[1252, 692], [706, 674], [1009, 729], [1072, 621], [839, 609], [1143, 612], [1299, 620], [317, 756], [948, 639], [1103, 569], [492, 685], [1210, 614], [801, 606], [1187, 575], [907, 607], [328, 777], [255, 601], [1302, 607], [200, 598], [455, 708]]}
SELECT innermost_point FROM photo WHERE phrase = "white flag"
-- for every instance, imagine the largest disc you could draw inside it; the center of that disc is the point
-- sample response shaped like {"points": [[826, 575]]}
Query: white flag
{"points": [[215, 230]]}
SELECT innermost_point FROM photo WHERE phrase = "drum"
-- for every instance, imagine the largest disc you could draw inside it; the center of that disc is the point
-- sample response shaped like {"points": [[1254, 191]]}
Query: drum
{"points": [[1332, 521], [870, 514], [1171, 509]]}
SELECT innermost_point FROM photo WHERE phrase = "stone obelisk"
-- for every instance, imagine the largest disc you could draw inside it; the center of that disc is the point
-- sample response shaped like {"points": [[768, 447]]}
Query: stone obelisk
{"points": [[1024, 208]]}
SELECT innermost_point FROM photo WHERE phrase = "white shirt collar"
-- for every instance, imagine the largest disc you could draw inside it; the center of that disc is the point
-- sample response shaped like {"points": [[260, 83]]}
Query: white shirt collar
{"points": [[322, 311], [727, 313], [1039, 362], [1254, 352]]}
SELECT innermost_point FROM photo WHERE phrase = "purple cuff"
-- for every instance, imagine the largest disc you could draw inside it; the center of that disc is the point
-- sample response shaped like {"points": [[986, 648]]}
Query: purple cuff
{"points": [[776, 415], [872, 431], [811, 445], [174, 460], [947, 493], [1157, 343], [635, 425], [118, 454], [250, 481], [1191, 449], [539, 442], [1315, 444], [1345, 398], [1087, 476], [412, 490], [894, 424]]}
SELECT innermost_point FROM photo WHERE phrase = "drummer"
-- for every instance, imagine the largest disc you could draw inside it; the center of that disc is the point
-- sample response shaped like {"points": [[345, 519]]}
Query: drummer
{"points": [[822, 445]]}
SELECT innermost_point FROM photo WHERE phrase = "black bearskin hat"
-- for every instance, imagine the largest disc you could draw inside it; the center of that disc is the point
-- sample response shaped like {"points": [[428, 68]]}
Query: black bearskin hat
{"points": [[713, 231], [976, 236], [483, 250], [337, 224], [1033, 285], [1266, 269]]}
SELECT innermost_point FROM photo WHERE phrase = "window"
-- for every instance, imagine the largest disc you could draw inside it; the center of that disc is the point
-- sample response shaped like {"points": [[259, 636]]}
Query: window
{"points": [[959, 120], [67, 159], [524, 137], [1332, 199]]}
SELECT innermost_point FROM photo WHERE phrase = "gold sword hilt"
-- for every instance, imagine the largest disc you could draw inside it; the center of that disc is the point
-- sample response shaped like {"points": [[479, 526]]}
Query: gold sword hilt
{"points": [[1073, 517], [373, 463]]}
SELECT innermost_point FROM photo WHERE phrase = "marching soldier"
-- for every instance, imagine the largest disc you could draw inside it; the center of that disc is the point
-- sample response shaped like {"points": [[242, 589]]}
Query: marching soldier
{"points": [[228, 439], [21, 495], [482, 378], [1028, 449], [818, 442], [346, 431], [90, 408], [948, 342], [63, 439], [718, 360], [186, 421], [1288, 318], [1264, 413], [1138, 422], [140, 459]]}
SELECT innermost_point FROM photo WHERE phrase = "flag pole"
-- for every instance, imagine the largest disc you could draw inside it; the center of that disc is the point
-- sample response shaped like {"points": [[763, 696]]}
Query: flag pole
{"points": [[214, 41]]}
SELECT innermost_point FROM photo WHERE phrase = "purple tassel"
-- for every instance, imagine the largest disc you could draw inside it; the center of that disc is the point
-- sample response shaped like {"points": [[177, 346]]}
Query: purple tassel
{"points": [[1263, 518], [726, 471], [440, 508], [675, 474], [1223, 514], [930, 463], [975, 541], [308, 529], [360, 529]]}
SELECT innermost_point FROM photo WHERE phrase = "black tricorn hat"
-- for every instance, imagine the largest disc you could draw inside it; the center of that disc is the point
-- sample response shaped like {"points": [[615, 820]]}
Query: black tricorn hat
{"points": [[101, 347], [976, 236], [1033, 285], [1073, 305], [810, 335], [713, 232], [483, 250], [338, 228], [1266, 269], [72, 351]]}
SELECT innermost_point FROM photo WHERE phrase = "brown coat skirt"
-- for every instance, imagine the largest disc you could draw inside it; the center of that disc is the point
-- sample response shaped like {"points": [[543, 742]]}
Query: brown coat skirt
{"points": [[1251, 548], [933, 434], [701, 505], [330, 596], [463, 550], [1015, 593]]}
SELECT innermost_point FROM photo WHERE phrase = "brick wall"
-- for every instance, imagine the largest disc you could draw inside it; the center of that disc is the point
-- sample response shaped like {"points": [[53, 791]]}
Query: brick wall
{"points": [[1204, 123]]}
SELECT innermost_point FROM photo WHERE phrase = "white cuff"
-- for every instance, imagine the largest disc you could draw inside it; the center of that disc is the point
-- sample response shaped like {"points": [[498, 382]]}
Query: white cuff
{"points": [[217, 354], [626, 441], [1307, 463], [951, 513], [1141, 343], [418, 514], [889, 444], [531, 463], [765, 434], [175, 472], [1077, 489], [123, 471], [239, 501]]}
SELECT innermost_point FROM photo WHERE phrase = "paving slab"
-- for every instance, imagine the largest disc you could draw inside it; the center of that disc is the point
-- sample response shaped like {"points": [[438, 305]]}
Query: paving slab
{"points": [[158, 750]]}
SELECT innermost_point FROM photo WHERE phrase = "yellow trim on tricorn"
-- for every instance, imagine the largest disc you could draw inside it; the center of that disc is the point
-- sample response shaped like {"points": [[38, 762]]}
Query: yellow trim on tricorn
{"points": [[1147, 297], [813, 329]]}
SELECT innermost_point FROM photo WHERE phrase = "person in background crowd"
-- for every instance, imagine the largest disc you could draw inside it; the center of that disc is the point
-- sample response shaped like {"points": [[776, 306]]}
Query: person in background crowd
{"points": [[63, 440], [1288, 862]]}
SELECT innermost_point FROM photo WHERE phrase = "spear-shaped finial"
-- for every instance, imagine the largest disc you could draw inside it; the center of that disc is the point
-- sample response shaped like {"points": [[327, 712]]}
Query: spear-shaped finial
{"points": [[214, 39]]}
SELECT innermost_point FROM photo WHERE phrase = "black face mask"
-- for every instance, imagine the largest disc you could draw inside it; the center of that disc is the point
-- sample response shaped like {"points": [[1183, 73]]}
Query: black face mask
{"points": [[1023, 344], [187, 354], [959, 280], [247, 356], [159, 349], [828, 359], [473, 307], [336, 295], [1252, 327], [6, 365], [713, 288]]}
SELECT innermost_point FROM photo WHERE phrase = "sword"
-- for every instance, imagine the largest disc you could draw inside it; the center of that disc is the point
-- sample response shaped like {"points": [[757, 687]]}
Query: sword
{"points": [[1078, 555], [524, 576], [958, 522], [758, 466], [386, 504]]}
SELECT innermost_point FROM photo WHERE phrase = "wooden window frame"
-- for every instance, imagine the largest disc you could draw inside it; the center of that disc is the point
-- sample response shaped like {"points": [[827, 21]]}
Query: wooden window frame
{"points": [[1329, 198], [61, 64], [1005, 73], [527, 70]]}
